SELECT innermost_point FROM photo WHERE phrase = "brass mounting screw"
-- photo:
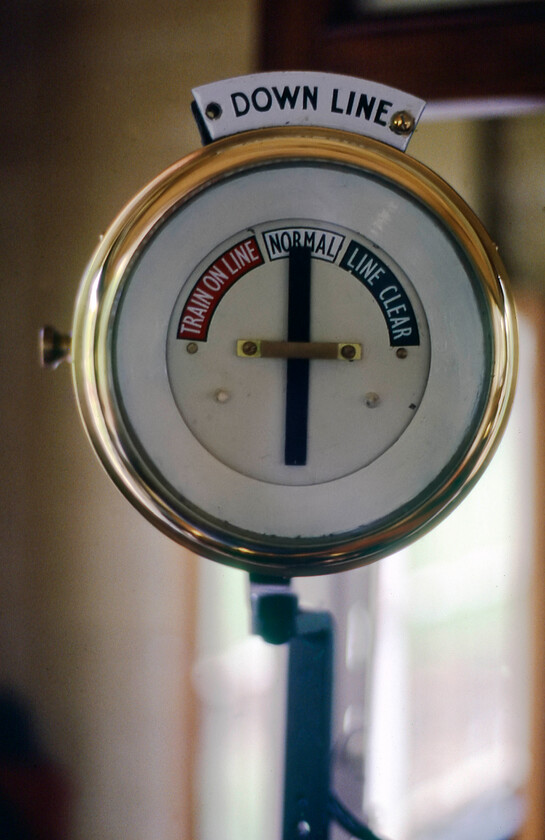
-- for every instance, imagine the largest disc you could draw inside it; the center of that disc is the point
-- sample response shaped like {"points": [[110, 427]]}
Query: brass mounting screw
{"points": [[402, 123]]}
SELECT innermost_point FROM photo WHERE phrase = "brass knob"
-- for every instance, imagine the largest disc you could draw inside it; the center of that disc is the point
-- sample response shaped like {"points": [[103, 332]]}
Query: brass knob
{"points": [[55, 347]]}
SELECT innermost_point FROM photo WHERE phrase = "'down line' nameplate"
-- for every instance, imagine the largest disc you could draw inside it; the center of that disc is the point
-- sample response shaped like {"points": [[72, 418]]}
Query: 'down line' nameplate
{"points": [[266, 100]]}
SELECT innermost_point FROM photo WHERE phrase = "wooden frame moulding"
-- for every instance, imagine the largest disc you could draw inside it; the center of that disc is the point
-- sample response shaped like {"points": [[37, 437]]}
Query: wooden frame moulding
{"points": [[490, 51]]}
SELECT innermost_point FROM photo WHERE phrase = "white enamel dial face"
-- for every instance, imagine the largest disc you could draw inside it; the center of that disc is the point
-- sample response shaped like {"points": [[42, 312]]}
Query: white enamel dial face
{"points": [[375, 270], [246, 394]]}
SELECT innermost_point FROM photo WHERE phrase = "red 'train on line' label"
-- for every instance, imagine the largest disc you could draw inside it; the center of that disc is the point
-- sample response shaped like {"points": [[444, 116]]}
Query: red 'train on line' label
{"points": [[213, 284]]}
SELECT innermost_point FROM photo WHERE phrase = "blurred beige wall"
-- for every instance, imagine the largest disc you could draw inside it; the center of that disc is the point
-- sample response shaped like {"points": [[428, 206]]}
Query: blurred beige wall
{"points": [[96, 608]]}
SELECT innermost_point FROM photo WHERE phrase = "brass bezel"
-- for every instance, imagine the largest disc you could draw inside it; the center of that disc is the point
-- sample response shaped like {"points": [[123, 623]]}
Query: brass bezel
{"points": [[103, 283]]}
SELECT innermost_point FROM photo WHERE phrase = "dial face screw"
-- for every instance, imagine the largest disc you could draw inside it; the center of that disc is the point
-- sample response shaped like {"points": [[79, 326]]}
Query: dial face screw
{"points": [[222, 396], [213, 111], [192, 347], [402, 352], [372, 399], [402, 123]]}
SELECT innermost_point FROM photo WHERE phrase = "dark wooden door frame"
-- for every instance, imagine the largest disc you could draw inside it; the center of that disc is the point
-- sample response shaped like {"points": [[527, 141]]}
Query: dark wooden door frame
{"points": [[489, 51]]}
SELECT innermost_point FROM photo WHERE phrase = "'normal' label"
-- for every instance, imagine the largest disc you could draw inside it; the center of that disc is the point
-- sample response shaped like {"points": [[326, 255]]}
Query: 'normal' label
{"points": [[323, 244]]}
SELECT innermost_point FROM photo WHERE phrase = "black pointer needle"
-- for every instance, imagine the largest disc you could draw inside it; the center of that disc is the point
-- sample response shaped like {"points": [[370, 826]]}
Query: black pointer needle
{"points": [[296, 434]]}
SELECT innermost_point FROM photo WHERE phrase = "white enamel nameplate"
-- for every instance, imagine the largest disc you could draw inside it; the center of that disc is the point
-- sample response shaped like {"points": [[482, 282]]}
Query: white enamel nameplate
{"points": [[265, 100]]}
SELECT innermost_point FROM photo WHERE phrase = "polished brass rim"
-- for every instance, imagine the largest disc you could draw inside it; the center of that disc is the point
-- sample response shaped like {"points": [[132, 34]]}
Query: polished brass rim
{"points": [[109, 269]]}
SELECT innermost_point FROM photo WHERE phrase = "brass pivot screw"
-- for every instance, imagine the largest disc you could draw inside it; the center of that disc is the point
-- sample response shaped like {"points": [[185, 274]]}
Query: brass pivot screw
{"points": [[348, 351], [249, 348], [402, 122]]}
